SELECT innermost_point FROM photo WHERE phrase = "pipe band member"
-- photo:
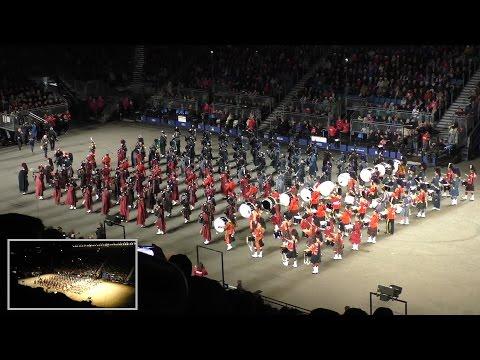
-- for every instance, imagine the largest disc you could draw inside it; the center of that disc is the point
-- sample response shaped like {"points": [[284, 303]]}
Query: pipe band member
{"points": [[315, 259], [258, 234], [470, 183], [291, 246], [229, 234], [373, 227]]}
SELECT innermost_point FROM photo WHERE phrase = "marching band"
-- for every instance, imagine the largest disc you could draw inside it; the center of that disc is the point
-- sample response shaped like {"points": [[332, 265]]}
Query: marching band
{"points": [[291, 198]]}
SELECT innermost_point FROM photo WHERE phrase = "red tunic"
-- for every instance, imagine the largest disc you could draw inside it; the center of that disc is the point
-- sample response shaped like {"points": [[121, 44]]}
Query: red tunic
{"points": [[160, 223], [71, 196], [106, 205], [124, 211], [206, 231], [39, 185], [141, 212], [355, 236], [87, 196]]}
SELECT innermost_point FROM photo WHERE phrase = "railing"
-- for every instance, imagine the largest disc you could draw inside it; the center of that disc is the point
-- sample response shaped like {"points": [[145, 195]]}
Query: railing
{"points": [[319, 121], [362, 127], [274, 302], [354, 111]]}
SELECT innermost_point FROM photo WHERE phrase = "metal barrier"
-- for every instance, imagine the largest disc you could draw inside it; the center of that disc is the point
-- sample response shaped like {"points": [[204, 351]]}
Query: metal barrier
{"points": [[362, 127], [355, 111], [320, 121]]}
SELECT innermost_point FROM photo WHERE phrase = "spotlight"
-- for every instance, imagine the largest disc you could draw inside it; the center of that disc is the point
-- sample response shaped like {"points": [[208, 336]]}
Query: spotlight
{"points": [[211, 51], [346, 59]]}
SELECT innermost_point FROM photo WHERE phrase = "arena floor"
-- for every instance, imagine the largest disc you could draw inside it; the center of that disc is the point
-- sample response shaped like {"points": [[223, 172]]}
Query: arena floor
{"points": [[435, 260], [105, 294]]}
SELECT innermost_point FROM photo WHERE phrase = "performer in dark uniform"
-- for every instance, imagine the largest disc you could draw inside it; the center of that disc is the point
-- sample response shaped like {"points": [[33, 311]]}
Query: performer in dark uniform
{"points": [[186, 207], [23, 179], [436, 189], [57, 190], [160, 213], [167, 201], [206, 225]]}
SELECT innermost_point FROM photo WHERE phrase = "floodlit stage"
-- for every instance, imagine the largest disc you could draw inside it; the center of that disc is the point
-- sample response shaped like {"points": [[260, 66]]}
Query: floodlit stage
{"points": [[435, 260], [104, 294]]}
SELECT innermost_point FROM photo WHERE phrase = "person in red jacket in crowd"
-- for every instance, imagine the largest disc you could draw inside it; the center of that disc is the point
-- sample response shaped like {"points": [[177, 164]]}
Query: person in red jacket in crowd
{"points": [[251, 123], [332, 133], [199, 270]]}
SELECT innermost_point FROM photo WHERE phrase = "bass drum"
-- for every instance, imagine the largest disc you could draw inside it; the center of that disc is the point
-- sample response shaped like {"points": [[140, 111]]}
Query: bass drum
{"points": [[366, 174], [246, 210], [349, 200], [306, 194], [268, 203], [381, 169], [219, 224], [343, 179], [326, 188], [285, 198]]}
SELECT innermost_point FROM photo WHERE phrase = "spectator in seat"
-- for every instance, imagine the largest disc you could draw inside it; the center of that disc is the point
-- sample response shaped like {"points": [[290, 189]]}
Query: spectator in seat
{"points": [[332, 133], [425, 141], [199, 270]]}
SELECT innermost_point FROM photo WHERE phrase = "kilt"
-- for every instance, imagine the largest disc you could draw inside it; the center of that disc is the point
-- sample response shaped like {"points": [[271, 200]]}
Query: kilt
{"points": [[284, 250], [315, 259], [372, 231], [250, 239], [421, 206], [260, 243], [469, 187], [291, 254]]}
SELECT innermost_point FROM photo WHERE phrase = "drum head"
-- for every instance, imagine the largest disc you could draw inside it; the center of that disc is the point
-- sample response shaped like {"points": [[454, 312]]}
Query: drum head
{"points": [[374, 204], [343, 179], [326, 188], [350, 200], [284, 199], [366, 175], [219, 224], [381, 169], [306, 194], [246, 210], [399, 209]]}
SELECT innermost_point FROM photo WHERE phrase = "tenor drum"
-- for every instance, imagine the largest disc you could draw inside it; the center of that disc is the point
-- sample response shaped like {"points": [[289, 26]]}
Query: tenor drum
{"points": [[246, 209], [219, 224], [297, 219], [306, 194], [268, 203], [285, 198]]}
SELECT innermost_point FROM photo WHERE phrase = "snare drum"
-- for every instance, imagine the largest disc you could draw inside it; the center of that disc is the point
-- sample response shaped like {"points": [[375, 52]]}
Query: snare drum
{"points": [[297, 219]]}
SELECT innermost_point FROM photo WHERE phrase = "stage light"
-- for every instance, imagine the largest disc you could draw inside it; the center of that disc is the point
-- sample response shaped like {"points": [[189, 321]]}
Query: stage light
{"points": [[346, 59], [211, 51]]}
